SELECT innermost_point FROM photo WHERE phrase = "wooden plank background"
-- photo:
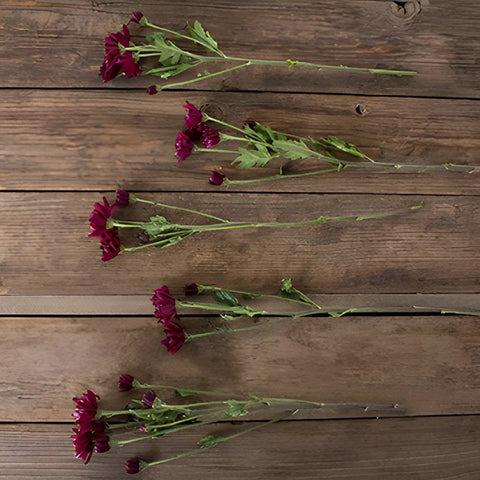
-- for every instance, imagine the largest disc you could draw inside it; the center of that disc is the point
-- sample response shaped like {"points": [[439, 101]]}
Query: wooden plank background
{"points": [[71, 322]]}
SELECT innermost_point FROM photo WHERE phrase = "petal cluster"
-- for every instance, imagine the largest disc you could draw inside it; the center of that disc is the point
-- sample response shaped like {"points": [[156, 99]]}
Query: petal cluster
{"points": [[115, 61], [90, 435]]}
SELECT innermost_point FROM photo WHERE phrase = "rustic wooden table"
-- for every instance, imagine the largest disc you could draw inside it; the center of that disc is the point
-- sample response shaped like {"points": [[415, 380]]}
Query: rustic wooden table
{"points": [[70, 322]]}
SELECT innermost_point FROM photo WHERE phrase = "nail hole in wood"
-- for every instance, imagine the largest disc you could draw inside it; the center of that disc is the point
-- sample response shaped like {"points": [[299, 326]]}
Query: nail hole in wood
{"points": [[361, 109]]}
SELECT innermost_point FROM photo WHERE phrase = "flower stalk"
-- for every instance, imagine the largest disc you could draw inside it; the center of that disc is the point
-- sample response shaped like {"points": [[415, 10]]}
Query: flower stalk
{"points": [[232, 305], [172, 49], [160, 232], [259, 144], [150, 417]]}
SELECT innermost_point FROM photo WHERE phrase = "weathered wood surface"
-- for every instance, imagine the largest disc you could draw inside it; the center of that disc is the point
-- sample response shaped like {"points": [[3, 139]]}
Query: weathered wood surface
{"points": [[61, 45], [403, 449], [45, 249], [428, 364], [97, 140], [140, 305]]}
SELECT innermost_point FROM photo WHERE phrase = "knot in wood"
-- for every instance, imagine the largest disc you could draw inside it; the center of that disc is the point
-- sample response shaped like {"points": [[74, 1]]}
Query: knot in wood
{"points": [[406, 11], [212, 109]]}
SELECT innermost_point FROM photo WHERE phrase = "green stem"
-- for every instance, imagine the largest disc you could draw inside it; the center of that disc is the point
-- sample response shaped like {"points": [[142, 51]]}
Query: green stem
{"points": [[181, 209], [220, 331], [203, 77], [317, 221], [292, 63], [278, 176], [215, 150], [239, 309], [207, 117], [217, 441]]}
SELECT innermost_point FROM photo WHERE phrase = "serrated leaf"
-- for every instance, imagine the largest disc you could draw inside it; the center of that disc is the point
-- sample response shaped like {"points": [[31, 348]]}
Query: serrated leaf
{"points": [[334, 143], [207, 442], [203, 37], [236, 409], [226, 297], [170, 56], [252, 158], [287, 290], [157, 225], [292, 149]]}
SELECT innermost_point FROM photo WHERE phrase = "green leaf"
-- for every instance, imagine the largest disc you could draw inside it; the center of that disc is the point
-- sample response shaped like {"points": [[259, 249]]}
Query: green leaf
{"points": [[292, 149], [252, 158], [157, 225], [185, 392], [334, 143], [230, 317], [236, 409], [203, 37], [287, 290], [226, 297], [208, 442]]}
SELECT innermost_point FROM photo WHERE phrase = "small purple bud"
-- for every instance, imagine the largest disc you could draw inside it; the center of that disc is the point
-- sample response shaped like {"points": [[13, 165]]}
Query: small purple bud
{"points": [[152, 90], [216, 178], [123, 198], [148, 399], [125, 383], [136, 16], [191, 289], [132, 466]]}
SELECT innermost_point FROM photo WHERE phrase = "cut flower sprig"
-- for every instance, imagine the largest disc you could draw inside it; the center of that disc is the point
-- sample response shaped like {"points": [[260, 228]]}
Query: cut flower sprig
{"points": [[173, 52], [233, 305], [147, 417], [161, 233], [255, 145]]}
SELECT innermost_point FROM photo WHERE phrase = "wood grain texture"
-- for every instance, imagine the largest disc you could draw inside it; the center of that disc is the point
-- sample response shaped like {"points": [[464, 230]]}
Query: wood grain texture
{"points": [[115, 305], [61, 45], [45, 250], [400, 449], [428, 364], [92, 140]]}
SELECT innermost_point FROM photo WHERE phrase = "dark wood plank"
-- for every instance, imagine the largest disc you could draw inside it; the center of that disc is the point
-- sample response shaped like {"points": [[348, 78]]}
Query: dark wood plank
{"points": [[87, 140], [428, 364], [63, 46], [140, 304], [413, 449], [45, 249]]}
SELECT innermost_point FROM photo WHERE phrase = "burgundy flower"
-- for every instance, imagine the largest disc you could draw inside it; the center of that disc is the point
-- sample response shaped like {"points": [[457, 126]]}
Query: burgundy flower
{"points": [[116, 62], [191, 289], [123, 198], [210, 137], [164, 304], [88, 440], [148, 399], [136, 16], [99, 217], [184, 146], [100, 438], [195, 133], [83, 444], [132, 466], [125, 382], [216, 178], [90, 435], [193, 116], [175, 337], [152, 90], [86, 409], [110, 244]]}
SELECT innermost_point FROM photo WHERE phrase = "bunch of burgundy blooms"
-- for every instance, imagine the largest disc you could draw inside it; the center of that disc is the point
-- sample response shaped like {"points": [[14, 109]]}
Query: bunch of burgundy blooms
{"points": [[232, 305], [171, 50], [148, 417], [255, 145], [161, 233]]}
